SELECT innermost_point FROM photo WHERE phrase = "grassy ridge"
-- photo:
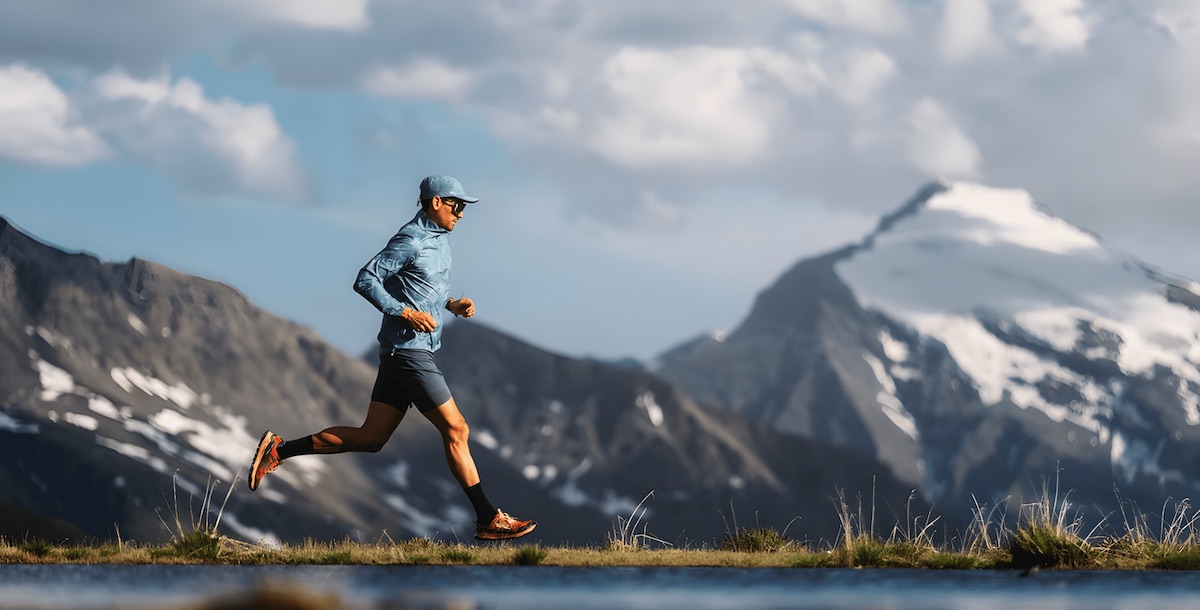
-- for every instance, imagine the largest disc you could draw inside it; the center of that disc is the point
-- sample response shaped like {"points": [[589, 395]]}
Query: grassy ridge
{"points": [[1047, 534], [1030, 548]]}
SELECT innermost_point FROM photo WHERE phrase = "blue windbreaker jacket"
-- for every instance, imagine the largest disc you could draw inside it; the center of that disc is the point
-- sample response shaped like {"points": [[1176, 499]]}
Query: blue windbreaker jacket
{"points": [[413, 270]]}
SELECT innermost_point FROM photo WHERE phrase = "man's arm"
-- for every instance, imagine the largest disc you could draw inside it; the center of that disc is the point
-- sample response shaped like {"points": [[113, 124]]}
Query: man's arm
{"points": [[371, 278], [370, 284]]}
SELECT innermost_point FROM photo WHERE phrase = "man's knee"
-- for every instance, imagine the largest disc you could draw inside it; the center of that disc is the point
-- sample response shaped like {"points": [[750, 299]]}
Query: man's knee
{"points": [[458, 432], [374, 445]]}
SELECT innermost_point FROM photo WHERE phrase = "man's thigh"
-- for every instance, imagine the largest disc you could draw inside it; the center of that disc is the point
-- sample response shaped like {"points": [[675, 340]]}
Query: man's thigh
{"points": [[445, 416]]}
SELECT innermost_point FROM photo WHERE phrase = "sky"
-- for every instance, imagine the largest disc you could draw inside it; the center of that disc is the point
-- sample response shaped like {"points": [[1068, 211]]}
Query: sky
{"points": [[645, 168]]}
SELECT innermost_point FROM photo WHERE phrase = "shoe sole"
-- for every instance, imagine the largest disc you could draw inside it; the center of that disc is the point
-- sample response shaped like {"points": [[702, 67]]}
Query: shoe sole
{"points": [[259, 453], [499, 536]]}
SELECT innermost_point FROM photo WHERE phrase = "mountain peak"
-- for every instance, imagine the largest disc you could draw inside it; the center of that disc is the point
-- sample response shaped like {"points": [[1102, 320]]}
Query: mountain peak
{"points": [[960, 247], [16, 244], [9, 232], [974, 266], [967, 212]]}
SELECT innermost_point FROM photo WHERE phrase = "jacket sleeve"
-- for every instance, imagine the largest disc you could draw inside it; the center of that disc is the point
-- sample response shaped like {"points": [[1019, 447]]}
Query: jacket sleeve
{"points": [[375, 274]]}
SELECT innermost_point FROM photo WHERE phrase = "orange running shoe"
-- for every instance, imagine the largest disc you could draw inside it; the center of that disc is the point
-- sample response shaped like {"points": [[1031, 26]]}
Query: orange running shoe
{"points": [[503, 527], [266, 458]]}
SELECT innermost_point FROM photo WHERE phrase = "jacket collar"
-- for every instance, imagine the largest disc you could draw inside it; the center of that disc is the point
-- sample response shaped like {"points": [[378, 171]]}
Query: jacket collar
{"points": [[425, 222]]}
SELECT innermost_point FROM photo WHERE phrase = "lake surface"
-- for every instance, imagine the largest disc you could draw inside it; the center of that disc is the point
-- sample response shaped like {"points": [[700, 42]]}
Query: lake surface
{"points": [[467, 587]]}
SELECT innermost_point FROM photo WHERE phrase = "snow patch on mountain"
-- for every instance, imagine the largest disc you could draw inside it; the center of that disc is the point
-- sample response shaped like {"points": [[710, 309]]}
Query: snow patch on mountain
{"points": [[103, 406], [246, 532], [129, 378], [221, 447], [570, 493], [80, 420], [138, 325], [897, 352], [486, 438], [1002, 370], [414, 519], [397, 474], [136, 452], [1133, 457], [646, 402], [55, 382], [891, 405], [50, 337]]}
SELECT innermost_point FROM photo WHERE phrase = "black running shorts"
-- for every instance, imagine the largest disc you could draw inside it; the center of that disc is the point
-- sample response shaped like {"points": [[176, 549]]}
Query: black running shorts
{"points": [[409, 377]]}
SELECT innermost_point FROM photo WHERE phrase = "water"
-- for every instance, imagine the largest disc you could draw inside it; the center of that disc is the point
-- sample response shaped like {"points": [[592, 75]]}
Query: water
{"points": [[470, 587]]}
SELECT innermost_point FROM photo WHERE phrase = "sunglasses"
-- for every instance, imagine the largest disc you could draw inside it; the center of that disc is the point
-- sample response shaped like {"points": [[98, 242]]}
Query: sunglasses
{"points": [[456, 205]]}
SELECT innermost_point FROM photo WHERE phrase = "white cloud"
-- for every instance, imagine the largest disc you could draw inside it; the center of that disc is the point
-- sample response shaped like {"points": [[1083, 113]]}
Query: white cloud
{"points": [[865, 73], [346, 15], [798, 75], [1054, 25], [1176, 127], [685, 106], [693, 106], [871, 16], [1179, 17], [938, 146], [966, 30], [214, 147], [423, 79], [38, 124]]}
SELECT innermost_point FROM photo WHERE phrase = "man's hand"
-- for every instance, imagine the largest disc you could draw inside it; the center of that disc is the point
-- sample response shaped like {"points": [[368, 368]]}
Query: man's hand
{"points": [[418, 320], [461, 307]]}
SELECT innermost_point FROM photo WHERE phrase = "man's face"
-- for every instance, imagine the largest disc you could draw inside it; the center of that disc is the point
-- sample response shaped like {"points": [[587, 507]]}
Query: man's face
{"points": [[446, 211]]}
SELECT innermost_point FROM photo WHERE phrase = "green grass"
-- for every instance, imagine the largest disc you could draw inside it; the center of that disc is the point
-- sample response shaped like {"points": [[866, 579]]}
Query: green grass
{"points": [[529, 556], [1046, 535], [457, 554], [1188, 559], [76, 553], [339, 557], [754, 540], [1043, 547], [204, 545], [938, 560], [863, 552], [37, 547]]}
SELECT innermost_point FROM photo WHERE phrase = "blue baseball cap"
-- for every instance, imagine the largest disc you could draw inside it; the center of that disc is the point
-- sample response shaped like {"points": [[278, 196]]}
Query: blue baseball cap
{"points": [[444, 186]]}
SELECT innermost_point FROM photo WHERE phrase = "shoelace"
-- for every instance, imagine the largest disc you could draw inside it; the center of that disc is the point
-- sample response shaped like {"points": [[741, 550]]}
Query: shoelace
{"points": [[503, 519]]}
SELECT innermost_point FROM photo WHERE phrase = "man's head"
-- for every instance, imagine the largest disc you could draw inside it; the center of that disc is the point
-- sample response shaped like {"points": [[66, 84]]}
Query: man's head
{"points": [[444, 200]]}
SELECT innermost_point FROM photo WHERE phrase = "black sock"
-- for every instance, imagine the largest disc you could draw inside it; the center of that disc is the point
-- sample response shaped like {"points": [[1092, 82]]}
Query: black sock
{"points": [[300, 446], [484, 511]]}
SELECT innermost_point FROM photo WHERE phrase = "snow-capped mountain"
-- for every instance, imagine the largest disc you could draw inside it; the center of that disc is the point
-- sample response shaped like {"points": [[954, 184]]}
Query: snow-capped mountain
{"points": [[977, 344], [119, 381]]}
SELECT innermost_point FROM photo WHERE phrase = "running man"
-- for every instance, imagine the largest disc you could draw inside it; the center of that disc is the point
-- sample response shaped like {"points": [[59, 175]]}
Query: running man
{"points": [[409, 281]]}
